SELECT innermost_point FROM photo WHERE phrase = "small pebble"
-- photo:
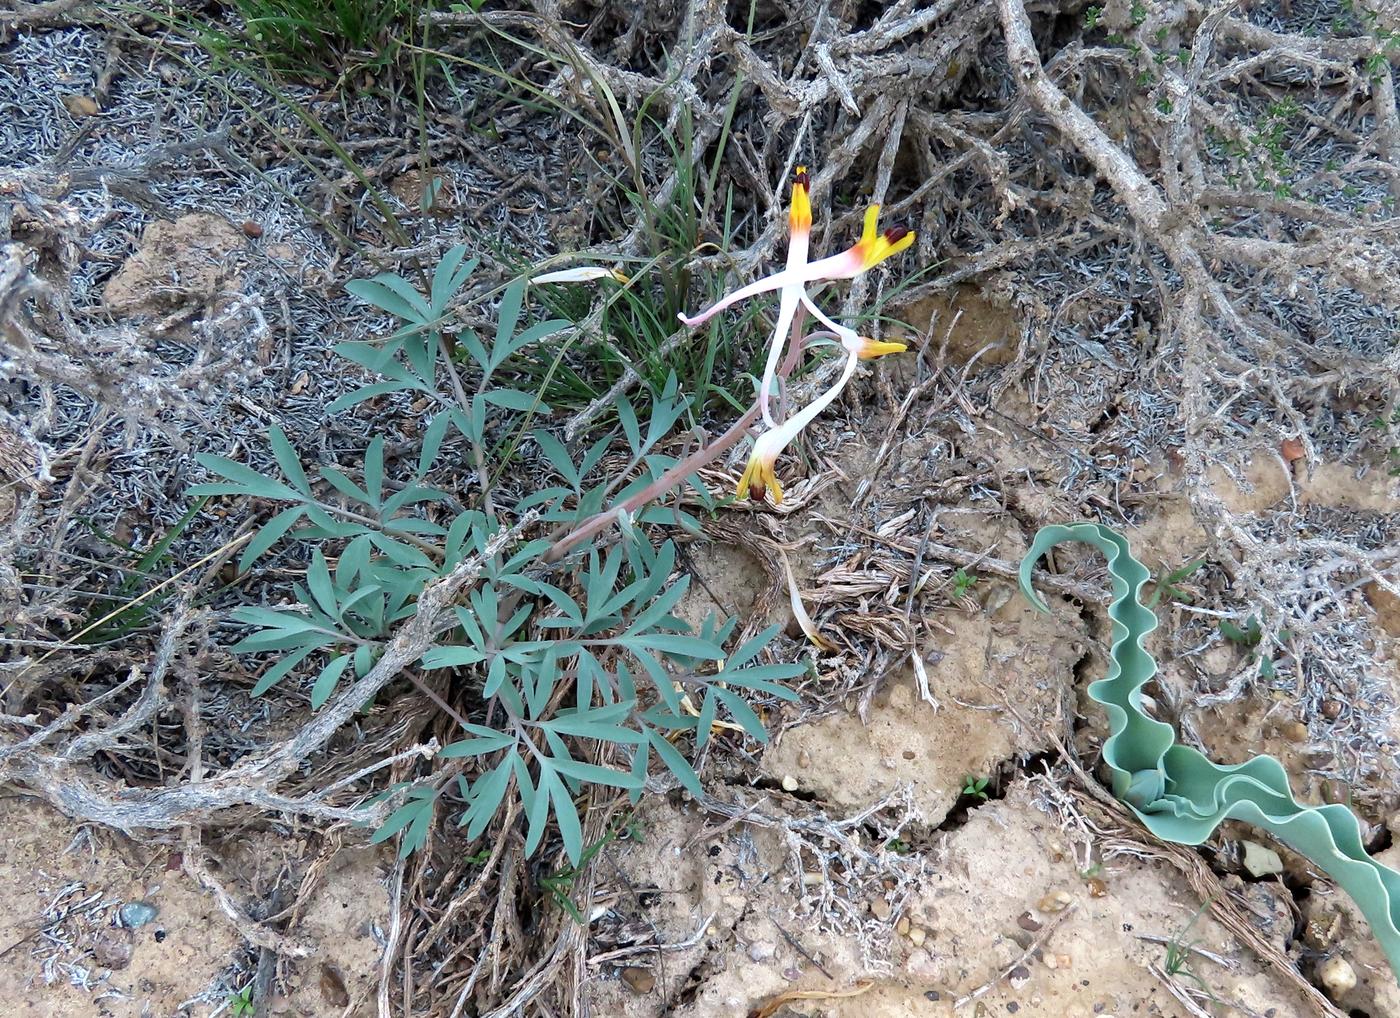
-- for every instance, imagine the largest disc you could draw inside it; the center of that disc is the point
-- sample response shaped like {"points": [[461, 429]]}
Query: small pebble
{"points": [[1337, 975], [918, 935], [1320, 932], [1318, 756], [804, 759], [252, 230], [1294, 731], [1018, 977], [762, 950], [902, 927], [921, 966], [1055, 901], [136, 913], [1331, 709], [880, 909], [639, 980], [789, 783], [112, 949], [1097, 888], [81, 105], [333, 989], [1028, 922], [1259, 860]]}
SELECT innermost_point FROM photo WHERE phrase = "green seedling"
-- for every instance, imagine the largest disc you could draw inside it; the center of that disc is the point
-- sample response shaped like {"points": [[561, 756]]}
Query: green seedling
{"points": [[1166, 588], [1178, 955], [974, 788], [240, 1004], [963, 582], [1250, 637], [115, 616], [561, 884]]}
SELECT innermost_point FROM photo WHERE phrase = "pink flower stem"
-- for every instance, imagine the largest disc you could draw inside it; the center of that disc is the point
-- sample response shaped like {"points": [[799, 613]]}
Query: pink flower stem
{"points": [[676, 475]]}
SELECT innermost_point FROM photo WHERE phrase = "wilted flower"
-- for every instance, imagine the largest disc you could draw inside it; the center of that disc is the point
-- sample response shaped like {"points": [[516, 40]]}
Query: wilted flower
{"points": [[582, 274]]}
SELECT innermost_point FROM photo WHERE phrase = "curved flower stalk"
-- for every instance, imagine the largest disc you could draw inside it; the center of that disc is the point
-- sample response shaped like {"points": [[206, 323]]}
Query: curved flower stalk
{"points": [[760, 475], [868, 252], [862, 256], [799, 240]]}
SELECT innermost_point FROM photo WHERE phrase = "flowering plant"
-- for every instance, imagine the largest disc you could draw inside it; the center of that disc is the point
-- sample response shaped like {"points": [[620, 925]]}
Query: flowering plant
{"points": [[760, 476]]}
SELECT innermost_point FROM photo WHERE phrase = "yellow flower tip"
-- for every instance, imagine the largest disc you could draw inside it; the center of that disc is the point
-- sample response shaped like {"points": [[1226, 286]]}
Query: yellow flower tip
{"points": [[874, 247], [872, 219], [870, 349], [620, 276], [800, 214], [759, 478], [886, 245]]}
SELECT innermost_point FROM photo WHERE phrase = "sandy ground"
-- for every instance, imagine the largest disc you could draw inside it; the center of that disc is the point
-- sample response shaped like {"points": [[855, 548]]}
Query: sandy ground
{"points": [[67, 897]]}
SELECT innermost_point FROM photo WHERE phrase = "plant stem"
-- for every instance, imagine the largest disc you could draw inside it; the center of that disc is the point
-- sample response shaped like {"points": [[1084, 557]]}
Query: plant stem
{"points": [[674, 476]]}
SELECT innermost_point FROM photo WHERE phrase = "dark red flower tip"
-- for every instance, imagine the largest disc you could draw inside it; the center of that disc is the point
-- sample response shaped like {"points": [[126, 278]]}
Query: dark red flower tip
{"points": [[803, 179], [896, 234]]}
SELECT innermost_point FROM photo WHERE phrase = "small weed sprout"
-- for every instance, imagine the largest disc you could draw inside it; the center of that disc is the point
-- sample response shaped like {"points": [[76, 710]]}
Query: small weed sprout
{"points": [[1390, 428], [240, 1003], [1168, 587], [1177, 961], [962, 583], [1250, 637], [308, 38], [974, 788]]}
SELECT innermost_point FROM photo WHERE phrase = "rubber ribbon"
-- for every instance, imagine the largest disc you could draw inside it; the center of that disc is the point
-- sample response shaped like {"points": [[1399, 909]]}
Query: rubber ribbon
{"points": [[1179, 794]]}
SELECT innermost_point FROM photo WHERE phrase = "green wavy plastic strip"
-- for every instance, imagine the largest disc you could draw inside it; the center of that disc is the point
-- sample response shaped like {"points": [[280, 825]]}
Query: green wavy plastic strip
{"points": [[1179, 794]]}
